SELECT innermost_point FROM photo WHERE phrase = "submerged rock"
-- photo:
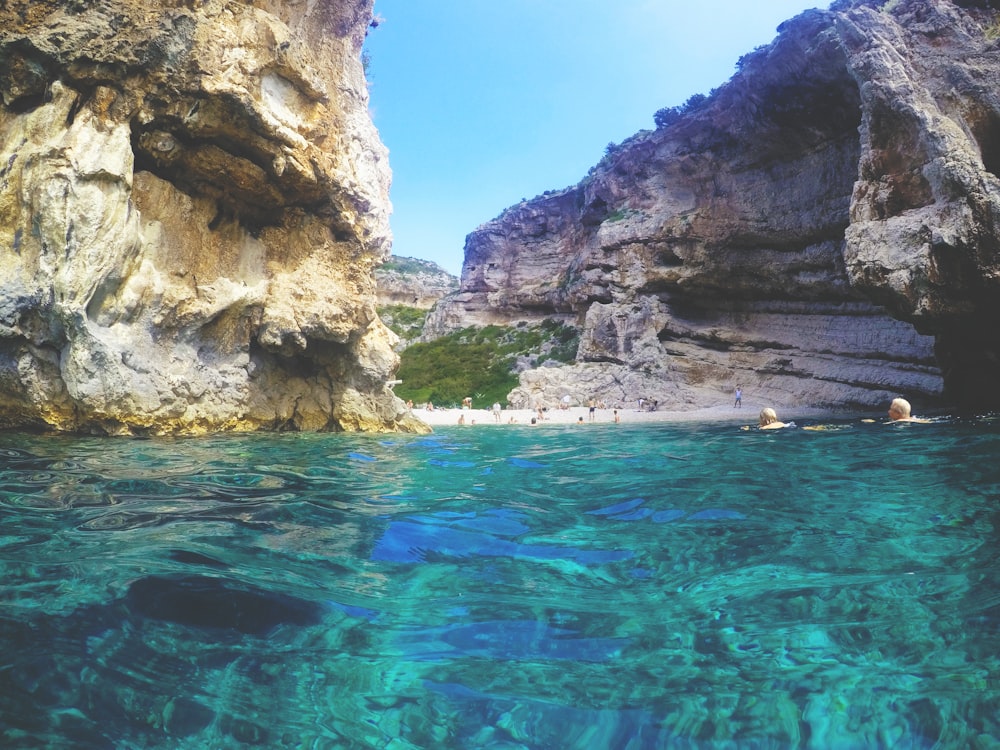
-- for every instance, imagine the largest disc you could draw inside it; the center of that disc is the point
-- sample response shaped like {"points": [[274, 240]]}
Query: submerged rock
{"points": [[211, 603], [822, 229], [192, 202]]}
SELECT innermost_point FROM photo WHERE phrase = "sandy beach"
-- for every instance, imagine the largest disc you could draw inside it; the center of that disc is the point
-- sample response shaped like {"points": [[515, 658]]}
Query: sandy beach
{"points": [[722, 413]]}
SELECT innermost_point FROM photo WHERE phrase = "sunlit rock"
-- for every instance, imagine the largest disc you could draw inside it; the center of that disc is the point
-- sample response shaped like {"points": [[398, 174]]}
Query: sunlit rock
{"points": [[192, 202], [822, 229]]}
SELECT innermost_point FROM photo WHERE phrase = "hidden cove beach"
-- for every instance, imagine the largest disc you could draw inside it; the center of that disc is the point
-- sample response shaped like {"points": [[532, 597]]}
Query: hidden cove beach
{"points": [[748, 414]]}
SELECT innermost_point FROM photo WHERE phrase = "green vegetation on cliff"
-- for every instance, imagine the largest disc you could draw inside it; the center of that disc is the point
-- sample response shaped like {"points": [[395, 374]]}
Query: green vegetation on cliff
{"points": [[480, 362], [411, 266], [405, 321]]}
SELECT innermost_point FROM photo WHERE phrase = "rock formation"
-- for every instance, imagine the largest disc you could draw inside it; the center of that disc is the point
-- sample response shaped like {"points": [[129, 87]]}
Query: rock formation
{"points": [[192, 202], [821, 229], [413, 282]]}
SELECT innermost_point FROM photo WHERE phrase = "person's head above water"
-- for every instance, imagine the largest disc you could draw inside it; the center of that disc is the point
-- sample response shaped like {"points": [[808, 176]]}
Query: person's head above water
{"points": [[769, 419], [899, 409]]}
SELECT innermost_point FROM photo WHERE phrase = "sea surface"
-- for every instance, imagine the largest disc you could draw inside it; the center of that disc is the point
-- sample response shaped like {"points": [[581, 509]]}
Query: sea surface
{"points": [[593, 586]]}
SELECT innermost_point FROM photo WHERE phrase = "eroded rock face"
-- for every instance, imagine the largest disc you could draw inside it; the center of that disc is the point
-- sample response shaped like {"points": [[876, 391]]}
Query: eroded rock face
{"points": [[822, 230], [925, 213], [192, 201], [412, 282]]}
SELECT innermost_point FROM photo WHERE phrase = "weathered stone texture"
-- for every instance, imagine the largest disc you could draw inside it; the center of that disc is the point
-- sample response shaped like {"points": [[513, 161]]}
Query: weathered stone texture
{"points": [[192, 202], [822, 229], [413, 283]]}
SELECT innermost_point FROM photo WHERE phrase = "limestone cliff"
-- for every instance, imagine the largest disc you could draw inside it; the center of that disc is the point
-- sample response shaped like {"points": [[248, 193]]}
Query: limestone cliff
{"points": [[192, 201], [413, 282], [822, 229]]}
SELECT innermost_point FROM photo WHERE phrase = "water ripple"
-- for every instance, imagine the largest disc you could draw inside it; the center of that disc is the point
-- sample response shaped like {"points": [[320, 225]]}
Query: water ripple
{"points": [[499, 587]]}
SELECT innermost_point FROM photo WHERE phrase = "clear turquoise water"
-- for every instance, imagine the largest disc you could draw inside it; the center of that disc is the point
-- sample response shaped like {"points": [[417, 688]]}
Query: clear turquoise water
{"points": [[600, 586]]}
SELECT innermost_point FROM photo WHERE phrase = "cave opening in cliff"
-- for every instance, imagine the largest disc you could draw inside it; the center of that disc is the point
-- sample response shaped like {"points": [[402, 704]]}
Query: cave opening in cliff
{"points": [[987, 135], [968, 353]]}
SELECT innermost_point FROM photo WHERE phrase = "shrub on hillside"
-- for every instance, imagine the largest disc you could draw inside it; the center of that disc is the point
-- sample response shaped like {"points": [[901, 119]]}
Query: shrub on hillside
{"points": [[480, 362], [405, 321]]}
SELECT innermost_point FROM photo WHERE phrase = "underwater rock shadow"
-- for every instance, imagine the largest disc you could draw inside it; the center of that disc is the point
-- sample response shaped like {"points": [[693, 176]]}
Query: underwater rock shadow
{"points": [[213, 603]]}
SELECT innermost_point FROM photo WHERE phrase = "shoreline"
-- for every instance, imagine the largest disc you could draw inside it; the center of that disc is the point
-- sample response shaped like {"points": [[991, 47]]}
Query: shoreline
{"points": [[443, 417]]}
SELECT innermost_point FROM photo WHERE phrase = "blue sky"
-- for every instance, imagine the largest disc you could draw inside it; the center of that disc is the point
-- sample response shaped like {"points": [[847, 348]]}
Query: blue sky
{"points": [[485, 102]]}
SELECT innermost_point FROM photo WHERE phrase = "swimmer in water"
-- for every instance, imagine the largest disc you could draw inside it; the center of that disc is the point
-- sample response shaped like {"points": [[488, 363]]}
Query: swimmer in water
{"points": [[899, 411], [769, 420]]}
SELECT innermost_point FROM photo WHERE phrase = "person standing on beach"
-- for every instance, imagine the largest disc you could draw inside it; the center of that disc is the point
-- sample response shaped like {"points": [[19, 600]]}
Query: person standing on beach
{"points": [[593, 407], [496, 411], [739, 397]]}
